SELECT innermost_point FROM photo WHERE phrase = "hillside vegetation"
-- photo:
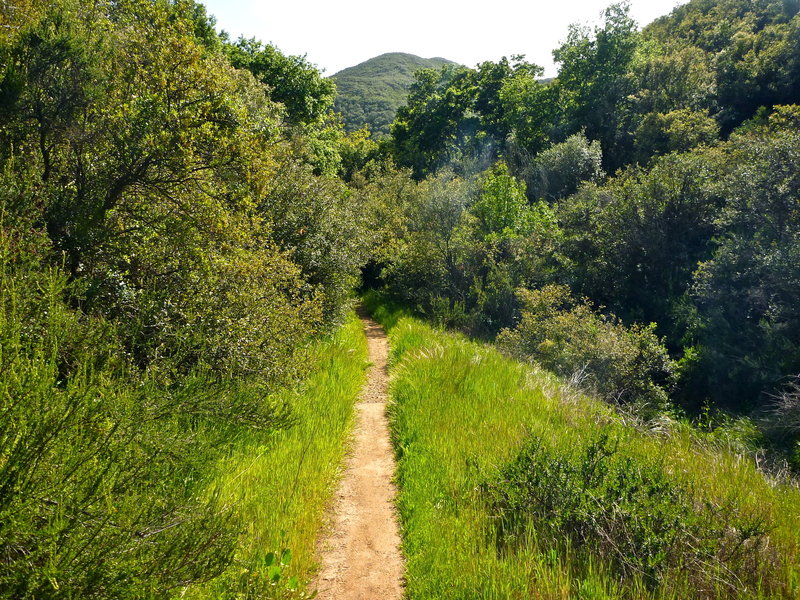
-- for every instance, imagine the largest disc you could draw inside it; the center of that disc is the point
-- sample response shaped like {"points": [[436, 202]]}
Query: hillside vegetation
{"points": [[184, 220], [175, 242], [514, 485], [634, 222], [371, 92]]}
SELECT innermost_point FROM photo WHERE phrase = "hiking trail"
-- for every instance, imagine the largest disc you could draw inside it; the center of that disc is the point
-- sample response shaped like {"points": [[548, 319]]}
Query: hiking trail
{"points": [[361, 557]]}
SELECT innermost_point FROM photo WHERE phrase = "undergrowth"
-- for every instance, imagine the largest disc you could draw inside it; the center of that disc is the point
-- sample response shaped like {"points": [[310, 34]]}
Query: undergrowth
{"points": [[630, 511], [115, 483]]}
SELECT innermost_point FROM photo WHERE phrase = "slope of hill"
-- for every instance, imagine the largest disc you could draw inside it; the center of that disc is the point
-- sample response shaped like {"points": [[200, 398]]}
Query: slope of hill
{"points": [[370, 93]]}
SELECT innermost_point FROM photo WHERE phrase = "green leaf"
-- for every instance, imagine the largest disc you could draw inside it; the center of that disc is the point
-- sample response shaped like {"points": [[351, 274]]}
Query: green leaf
{"points": [[274, 573]]}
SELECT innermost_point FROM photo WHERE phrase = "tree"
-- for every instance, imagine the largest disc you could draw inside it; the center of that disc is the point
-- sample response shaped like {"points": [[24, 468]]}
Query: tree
{"points": [[593, 79], [737, 55], [530, 112], [747, 291], [290, 80], [462, 117], [510, 244], [426, 132], [678, 130], [502, 208]]}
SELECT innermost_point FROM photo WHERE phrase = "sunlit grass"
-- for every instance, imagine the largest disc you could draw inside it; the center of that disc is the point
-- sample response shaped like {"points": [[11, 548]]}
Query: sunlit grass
{"points": [[460, 411], [280, 485]]}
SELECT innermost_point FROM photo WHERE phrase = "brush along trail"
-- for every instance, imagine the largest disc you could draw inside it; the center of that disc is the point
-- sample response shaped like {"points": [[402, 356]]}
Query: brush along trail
{"points": [[361, 557]]}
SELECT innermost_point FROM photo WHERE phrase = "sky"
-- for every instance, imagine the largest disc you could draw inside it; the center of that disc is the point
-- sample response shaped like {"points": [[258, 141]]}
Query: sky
{"points": [[336, 34]]}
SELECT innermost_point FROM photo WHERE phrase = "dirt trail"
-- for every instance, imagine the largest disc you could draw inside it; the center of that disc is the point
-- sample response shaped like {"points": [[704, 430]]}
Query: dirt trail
{"points": [[361, 558]]}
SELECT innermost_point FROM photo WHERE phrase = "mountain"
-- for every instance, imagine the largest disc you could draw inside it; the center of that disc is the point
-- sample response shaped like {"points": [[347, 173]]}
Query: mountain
{"points": [[370, 93]]}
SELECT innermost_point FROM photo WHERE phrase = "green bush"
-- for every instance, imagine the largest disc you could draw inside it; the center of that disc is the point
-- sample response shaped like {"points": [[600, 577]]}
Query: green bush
{"points": [[322, 226], [627, 509], [627, 365], [678, 130], [560, 170], [101, 467]]}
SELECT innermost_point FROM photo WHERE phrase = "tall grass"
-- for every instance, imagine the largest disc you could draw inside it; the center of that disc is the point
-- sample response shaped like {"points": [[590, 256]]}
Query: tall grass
{"points": [[279, 484], [462, 415]]}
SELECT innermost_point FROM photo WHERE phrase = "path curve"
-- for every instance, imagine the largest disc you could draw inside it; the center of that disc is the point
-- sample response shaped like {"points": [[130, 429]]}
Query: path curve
{"points": [[361, 557]]}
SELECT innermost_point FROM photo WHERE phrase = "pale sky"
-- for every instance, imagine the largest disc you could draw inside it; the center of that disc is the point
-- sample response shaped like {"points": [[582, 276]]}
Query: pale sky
{"points": [[336, 34]]}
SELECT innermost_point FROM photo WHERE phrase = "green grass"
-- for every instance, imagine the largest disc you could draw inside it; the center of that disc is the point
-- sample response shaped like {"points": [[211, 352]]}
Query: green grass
{"points": [[460, 414], [280, 485]]}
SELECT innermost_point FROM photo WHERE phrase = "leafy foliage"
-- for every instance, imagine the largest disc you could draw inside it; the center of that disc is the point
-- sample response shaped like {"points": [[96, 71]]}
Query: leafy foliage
{"points": [[626, 365], [747, 290], [634, 243], [458, 114], [560, 170], [291, 80], [752, 47], [153, 294], [592, 79]]}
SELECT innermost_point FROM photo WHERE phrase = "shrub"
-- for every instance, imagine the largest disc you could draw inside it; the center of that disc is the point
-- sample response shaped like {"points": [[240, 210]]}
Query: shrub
{"points": [[678, 130], [448, 314], [605, 502], [101, 468], [559, 171], [322, 225], [621, 364], [426, 255]]}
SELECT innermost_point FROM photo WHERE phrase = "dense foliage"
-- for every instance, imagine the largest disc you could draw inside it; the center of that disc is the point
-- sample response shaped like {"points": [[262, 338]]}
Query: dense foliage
{"points": [[658, 174], [704, 69], [625, 365], [173, 234]]}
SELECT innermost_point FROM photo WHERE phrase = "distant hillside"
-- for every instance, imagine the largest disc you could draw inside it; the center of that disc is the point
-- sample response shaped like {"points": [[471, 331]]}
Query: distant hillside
{"points": [[371, 93]]}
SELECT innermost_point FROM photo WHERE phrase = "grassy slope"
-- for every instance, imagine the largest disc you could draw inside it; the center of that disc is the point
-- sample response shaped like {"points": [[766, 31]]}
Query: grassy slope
{"points": [[371, 92], [281, 485], [460, 412]]}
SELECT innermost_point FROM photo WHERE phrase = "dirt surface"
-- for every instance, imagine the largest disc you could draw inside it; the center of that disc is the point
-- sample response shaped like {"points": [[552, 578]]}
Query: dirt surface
{"points": [[361, 558]]}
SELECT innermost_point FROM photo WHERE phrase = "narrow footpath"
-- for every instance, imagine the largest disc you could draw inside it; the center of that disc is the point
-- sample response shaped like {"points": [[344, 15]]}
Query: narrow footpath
{"points": [[361, 558]]}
